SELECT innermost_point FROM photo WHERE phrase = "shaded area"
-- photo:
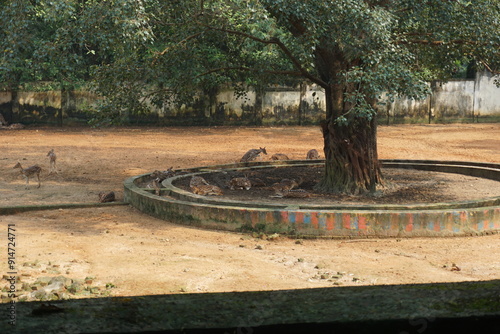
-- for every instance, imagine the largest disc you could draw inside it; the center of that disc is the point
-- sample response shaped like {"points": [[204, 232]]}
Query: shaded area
{"points": [[428, 308], [432, 218], [402, 186]]}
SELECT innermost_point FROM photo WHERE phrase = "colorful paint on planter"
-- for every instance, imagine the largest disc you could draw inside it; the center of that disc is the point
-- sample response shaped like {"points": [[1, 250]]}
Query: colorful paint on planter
{"points": [[404, 221]]}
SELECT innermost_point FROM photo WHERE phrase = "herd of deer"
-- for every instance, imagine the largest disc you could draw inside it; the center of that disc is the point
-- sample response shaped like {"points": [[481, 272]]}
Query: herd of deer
{"points": [[255, 153], [198, 185], [284, 188], [35, 170]]}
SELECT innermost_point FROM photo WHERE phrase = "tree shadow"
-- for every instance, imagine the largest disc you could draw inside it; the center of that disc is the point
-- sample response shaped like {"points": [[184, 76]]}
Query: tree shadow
{"points": [[423, 308]]}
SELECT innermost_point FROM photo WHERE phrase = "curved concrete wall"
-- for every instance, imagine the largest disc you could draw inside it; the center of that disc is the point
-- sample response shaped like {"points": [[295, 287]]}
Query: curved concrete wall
{"points": [[437, 219]]}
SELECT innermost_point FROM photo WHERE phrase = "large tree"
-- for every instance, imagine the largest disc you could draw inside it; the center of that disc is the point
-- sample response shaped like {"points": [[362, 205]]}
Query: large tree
{"points": [[356, 51]]}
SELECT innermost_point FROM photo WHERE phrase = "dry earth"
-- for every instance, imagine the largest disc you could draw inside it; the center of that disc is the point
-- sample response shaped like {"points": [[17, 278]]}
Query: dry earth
{"points": [[139, 255]]}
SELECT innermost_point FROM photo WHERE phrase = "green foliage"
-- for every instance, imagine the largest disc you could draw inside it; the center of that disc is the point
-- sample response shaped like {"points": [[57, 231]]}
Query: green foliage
{"points": [[142, 52], [61, 41]]}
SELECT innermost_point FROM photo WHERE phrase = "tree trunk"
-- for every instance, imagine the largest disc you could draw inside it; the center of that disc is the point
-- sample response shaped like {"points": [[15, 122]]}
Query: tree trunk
{"points": [[350, 149]]}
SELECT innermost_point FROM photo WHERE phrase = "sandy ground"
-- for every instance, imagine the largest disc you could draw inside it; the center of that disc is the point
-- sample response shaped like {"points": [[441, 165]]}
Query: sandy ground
{"points": [[142, 255]]}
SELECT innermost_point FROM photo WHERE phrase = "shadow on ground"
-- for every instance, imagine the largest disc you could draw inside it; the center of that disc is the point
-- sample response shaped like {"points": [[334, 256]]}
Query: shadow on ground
{"points": [[425, 308]]}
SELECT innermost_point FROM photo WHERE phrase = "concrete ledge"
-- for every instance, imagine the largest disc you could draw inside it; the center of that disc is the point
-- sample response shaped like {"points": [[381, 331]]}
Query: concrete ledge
{"points": [[474, 217], [472, 307], [11, 210]]}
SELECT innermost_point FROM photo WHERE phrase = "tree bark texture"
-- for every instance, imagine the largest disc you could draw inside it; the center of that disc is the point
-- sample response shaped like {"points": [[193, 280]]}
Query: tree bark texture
{"points": [[350, 147], [352, 164]]}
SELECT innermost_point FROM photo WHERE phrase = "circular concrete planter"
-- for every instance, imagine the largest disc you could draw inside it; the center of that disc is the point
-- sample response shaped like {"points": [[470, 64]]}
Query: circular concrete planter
{"points": [[474, 217]]}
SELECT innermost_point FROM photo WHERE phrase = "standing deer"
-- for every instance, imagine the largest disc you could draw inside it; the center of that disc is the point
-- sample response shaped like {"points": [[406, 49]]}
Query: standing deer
{"points": [[52, 159], [252, 154], [29, 172]]}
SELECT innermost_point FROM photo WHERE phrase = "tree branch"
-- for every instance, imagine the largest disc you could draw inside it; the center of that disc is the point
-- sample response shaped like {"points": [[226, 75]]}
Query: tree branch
{"points": [[437, 43], [488, 67], [248, 69], [282, 46], [181, 42]]}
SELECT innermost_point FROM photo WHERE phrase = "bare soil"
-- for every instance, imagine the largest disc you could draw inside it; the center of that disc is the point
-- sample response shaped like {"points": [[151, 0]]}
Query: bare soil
{"points": [[139, 255]]}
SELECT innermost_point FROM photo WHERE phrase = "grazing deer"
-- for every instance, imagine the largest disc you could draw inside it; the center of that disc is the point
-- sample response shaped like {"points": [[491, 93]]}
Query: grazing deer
{"points": [[312, 155], [52, 160], [252, 154], [207, 189], [279, 156], [29, 172], [240, 183]]}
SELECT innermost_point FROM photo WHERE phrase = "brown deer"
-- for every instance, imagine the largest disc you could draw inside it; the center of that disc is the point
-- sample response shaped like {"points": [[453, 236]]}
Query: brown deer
{"points": [[200, 186], [279, 156], [252, 154], [240, 183], [52, 160], [29, 172], [106, 197], [286, 185], [197, 181], [312, 155], [207, 189]]}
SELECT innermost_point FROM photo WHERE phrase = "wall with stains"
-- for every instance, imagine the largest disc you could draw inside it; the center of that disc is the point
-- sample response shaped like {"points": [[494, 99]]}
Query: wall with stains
{"points": [[476, 100]]}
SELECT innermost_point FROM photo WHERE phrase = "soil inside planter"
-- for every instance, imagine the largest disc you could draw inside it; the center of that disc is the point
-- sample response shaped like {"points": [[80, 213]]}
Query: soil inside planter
{"points": [[401, 186]]}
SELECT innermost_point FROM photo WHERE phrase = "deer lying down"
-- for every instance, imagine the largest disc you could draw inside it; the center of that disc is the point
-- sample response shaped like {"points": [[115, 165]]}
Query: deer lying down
{"points": [[312, 155]]}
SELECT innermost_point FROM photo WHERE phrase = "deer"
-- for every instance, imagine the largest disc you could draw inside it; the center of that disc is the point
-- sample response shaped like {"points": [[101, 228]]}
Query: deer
{"points": [[197, 181], [288, 188], [240, 183], [200, 186], [207, 189], [286, 185], [279, 156], [158, 177], [312, 155], [252, 154], [52, 160], [29, 172], [106, 197], [162, 175]]}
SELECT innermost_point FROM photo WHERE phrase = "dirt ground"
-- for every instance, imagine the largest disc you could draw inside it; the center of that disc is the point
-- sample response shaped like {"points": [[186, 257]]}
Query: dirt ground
{"points": [[138, 255]]}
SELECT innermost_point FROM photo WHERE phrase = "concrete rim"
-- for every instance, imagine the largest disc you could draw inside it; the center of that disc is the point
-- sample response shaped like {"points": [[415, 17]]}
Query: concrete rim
{"points": [[478, 216]]}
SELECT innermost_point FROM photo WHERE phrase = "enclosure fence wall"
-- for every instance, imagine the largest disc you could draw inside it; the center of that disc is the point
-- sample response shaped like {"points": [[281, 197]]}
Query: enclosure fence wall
{"points": [[464, 100]]}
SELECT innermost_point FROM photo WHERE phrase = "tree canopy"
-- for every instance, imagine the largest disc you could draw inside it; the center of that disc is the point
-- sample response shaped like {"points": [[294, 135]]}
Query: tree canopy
{"points": [[389, 46]]}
